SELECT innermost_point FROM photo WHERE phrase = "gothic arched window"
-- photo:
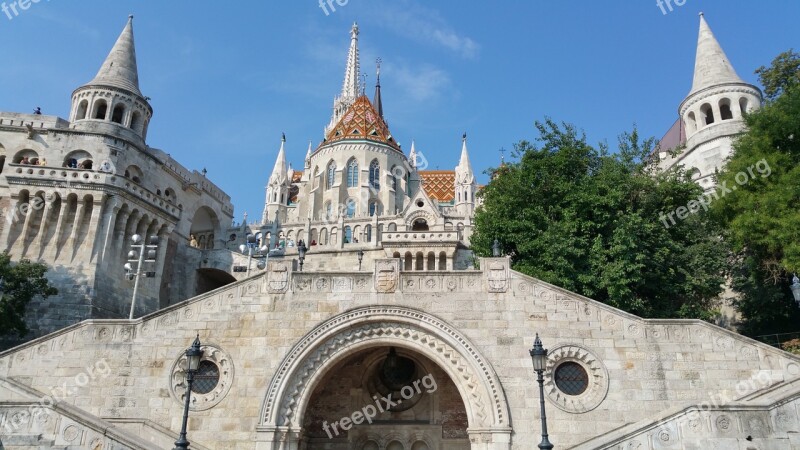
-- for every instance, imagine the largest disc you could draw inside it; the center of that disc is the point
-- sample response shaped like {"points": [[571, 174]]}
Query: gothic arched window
{"points": [[331, 175], [350, 208], [374, 208], [375, 175], [352, 173]]}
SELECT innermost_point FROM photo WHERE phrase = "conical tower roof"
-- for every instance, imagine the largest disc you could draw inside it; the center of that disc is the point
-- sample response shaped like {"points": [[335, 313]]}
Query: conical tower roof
{"points": [[280, 172], [119, 69], [362, 122], [464, 173], [712, 66]]}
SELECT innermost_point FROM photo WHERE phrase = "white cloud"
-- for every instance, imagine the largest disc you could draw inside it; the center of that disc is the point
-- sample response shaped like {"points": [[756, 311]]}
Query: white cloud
{"points": [[422, 24], [419, 84]]}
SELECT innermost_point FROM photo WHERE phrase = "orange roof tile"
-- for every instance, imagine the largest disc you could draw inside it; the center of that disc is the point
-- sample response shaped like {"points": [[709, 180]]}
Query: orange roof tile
{"points": [[439, 184], [362, 122]]}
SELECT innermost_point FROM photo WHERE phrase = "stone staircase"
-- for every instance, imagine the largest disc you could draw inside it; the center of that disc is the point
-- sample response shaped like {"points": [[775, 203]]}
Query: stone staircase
{"points": [[760, 420]]}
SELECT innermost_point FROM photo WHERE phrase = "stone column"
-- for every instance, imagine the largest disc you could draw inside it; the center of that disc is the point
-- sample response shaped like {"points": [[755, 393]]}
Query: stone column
{"points": [[112, 214], [44, 226], [76, 224], [62, 213]]}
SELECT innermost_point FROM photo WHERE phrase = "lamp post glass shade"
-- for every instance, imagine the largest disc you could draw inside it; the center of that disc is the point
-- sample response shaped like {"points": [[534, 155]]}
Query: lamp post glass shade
{"points": [[796, 288], [136, 238], [193, 355], [301, 250], [538, 355]]}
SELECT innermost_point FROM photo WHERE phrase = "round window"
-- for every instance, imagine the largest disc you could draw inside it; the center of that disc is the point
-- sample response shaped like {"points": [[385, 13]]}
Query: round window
{"points": [[206, 378], [571, 378]]}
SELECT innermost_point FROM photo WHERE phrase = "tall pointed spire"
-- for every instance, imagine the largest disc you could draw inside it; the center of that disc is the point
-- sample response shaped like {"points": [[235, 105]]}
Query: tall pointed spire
{"points": [[464, 173], [412, 156], [378, 102], [712, 66], [120, 69], [279, 172], [351, 87]]}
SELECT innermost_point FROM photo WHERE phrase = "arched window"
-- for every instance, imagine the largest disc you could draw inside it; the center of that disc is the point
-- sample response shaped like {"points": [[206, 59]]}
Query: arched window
{"points": [[743, 104], [708, 113], [331, 175], [118, 114], [725, 112], [374, 208], [431, 261], [136, 120], [83, 108], [420, 225], [350, 210], [394, 178], [100, 110], [375, 175], [442, 261], [420, 262], [691, 122], [368, 233], [352, 173], [409, 263], [392, 227]]}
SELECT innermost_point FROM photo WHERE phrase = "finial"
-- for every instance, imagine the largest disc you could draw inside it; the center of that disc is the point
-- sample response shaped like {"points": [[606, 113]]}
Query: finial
{"points": [[378, 63], [502, 155], [702, 14], [354, 30], [283, 137], [130, 17], [464, 138]]}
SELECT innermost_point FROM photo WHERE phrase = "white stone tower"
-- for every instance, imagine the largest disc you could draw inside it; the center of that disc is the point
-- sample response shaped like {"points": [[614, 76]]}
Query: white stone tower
{"points": [[112, 101], [465, 182], [278, 188], [712, 113]]}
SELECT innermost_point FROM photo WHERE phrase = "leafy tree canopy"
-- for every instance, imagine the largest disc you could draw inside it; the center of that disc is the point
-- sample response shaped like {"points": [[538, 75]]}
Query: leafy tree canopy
{"points": [[763, 214], [597, 224], [19, 284]]}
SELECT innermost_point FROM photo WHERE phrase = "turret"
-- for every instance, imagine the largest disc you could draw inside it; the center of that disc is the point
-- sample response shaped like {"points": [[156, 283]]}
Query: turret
{"points": [[278, 188], [112, 101], [465, 185], [713, 111]]}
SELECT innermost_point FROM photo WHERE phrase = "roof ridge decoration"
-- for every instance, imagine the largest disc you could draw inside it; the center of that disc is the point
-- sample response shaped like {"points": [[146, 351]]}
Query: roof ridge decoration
{"points": [[363, 123]]}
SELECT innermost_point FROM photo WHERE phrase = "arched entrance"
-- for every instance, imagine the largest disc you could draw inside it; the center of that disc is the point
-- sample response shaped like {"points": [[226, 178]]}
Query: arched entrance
{"points": [[323, 366], [209, 279]]}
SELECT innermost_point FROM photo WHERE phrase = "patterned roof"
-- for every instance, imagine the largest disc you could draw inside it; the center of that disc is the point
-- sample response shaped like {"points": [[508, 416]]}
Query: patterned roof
{"points": [[362, 122], [439, 184]]}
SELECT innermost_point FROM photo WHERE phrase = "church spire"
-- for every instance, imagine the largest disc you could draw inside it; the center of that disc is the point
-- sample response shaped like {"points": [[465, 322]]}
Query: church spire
{"points": [[378, 102], [120, 69], [351, 89], [412, 156], [712, 67]]}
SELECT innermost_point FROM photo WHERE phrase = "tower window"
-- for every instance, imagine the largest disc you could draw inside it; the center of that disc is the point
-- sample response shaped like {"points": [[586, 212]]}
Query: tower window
{"points": [[82, 110], [352, 173], [100, 110], [331, 175], [375, 175], [119, 114], [136, 118], [725, 112], [743, 105], [708, 113]]}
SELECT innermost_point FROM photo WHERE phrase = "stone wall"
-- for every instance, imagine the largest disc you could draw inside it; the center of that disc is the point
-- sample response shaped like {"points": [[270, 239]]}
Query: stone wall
{"points": [[278, 334]]}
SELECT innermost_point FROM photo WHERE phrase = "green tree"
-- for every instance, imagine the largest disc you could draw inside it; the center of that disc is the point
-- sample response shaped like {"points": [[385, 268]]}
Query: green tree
{"points": [[763, 216], [599, 225], [783, 74], [19, 284]]}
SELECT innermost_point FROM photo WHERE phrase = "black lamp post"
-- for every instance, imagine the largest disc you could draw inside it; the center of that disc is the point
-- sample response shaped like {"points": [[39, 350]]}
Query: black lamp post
{"points": [[796, 289], [301, 250], [193, 356], [539, 357], [360, 258], [496, 248]]}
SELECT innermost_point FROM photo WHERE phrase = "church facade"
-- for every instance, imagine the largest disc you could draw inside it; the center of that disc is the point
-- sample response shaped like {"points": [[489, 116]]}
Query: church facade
{"points": [[387, 334]]}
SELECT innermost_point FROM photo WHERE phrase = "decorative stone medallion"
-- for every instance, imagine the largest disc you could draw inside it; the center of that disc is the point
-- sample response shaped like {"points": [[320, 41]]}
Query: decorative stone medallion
{"points": [[202, 402], [497, 275], [387, 275], [278, 277], [598, 381]]}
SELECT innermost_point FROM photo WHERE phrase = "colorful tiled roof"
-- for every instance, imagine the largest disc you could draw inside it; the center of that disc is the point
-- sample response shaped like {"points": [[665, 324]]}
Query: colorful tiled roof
{"points": [[362, 122], [439, 184]]}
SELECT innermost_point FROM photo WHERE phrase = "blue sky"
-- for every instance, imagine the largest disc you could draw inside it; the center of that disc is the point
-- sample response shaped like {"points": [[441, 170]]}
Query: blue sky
{"points": [[226, 78]]}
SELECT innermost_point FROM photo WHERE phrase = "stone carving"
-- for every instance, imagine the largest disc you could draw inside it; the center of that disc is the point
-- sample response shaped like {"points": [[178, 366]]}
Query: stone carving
{"points": [[497, 275], [278, 277], [724, 423], [387, 276], [202, 402], [431, 336], [598, 379]]}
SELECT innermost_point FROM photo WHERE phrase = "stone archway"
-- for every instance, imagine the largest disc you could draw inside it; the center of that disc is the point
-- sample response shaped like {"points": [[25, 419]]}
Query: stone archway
{"points": [[310, 360]]}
